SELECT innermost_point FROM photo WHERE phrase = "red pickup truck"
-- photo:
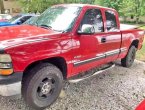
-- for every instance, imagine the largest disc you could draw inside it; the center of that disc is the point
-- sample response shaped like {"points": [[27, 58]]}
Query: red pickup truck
{"points": [[61, 44]]}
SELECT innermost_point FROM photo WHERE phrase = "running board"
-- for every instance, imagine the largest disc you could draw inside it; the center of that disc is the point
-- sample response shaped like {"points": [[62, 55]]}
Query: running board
{"points": [[86, 77]]}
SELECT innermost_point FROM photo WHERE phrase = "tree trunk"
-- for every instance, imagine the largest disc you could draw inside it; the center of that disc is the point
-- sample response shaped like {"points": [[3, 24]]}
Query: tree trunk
{"points": [[124, 18], [2, 7], [137, 20]]}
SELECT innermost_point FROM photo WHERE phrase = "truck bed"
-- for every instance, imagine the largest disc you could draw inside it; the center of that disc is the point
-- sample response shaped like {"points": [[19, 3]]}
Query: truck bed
{"points": [[129, 34], [127, 27]]}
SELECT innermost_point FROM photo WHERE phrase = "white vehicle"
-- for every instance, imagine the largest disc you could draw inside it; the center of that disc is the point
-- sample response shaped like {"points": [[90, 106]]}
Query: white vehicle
{"points": [[5, 16]]}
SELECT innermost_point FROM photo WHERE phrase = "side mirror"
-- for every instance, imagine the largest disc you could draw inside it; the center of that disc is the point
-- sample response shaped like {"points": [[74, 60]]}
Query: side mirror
{"points": [[19, 22], [87, 29]]}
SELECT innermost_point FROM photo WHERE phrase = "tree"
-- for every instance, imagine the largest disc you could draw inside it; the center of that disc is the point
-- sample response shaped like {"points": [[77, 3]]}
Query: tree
{"points": [[139, 9], [132, 8], [41, 5], [109, 3], [36, 5], [126, 8], [87, 1], [2, 6]]}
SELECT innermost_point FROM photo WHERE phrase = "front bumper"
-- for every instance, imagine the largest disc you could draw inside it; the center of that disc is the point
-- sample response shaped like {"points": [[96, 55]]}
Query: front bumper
{"points": [[11, 85], [10, 89]]}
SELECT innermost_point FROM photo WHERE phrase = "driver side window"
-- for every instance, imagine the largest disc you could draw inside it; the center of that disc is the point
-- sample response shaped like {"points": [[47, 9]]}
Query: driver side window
{"points": [[93, 17]]}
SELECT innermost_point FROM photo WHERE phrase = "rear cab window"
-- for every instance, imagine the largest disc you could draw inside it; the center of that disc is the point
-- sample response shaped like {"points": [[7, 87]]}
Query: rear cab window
{"points": [[111, 21]]}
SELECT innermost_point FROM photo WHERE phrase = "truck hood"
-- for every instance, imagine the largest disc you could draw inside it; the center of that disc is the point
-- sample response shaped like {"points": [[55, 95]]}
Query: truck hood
{"points": [[14, 35]]}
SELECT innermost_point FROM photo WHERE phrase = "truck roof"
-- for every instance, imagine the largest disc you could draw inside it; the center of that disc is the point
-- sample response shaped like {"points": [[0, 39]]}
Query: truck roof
{"points": [[85, 5]]}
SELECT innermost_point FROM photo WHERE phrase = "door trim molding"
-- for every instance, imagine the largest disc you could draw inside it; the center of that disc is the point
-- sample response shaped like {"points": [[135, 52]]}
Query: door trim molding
{"points": [[101, 56]]}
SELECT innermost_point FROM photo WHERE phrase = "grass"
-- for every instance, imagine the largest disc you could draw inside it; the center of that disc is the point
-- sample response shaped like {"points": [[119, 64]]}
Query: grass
{"points": [[141, 53]]}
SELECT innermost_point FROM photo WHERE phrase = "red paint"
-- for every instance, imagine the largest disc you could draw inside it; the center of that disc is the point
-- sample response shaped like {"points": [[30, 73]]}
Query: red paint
{"points": [[141, 106], [28, 44]]}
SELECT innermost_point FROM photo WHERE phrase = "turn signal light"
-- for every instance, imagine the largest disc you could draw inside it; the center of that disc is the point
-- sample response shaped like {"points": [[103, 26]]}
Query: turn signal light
{"points": [[6, 72]]}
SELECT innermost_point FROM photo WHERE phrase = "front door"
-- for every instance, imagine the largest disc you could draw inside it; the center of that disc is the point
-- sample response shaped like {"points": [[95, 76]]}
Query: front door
{"points": [[88, 49]]}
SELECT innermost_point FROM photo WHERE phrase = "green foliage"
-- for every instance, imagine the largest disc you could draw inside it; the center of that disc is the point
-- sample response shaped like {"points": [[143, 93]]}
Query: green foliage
{"points": [[141, 53], [134, 8], [41, 5], [87, 1], [109, 3], [36, 5], [126, 8]]}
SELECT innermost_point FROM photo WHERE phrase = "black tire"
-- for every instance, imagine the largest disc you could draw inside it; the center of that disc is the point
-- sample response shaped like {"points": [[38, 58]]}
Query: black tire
{"points": [[129, 58], [42, 86]]}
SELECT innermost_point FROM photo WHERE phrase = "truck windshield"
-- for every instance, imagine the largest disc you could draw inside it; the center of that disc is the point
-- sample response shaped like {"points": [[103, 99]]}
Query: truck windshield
{"points": [[58, 18]]}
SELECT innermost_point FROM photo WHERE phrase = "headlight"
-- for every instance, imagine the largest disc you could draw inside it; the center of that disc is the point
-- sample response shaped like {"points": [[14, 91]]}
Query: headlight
{"points": [[5, 64], [5, 58]]}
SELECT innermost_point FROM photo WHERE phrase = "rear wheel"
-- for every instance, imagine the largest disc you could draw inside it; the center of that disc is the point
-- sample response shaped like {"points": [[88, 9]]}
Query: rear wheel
{"points": [[43, 86], [130, 57]]}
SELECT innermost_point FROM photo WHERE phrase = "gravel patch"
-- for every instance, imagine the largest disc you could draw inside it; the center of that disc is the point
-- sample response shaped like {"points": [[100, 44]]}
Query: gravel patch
{"points": [[116, 89]]}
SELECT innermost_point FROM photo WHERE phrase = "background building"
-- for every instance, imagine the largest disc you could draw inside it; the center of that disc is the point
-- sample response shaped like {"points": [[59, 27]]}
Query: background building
{"points": [[11, 6]]}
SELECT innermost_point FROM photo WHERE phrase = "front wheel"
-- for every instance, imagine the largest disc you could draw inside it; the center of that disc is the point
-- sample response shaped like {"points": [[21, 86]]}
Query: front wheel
{"points": [[42, 86], [130, 57]]}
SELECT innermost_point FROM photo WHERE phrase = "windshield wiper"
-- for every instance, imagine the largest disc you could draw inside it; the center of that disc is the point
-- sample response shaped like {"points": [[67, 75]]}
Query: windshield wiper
{"points": [[45, 26]]}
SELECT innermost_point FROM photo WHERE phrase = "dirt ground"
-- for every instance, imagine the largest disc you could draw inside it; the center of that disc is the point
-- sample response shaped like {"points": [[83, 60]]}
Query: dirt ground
{"points": [[116, 89]]}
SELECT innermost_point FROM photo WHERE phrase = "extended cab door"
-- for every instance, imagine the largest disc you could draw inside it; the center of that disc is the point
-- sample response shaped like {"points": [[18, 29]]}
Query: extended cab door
{"points": [[112, 36], [88, 48]]}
